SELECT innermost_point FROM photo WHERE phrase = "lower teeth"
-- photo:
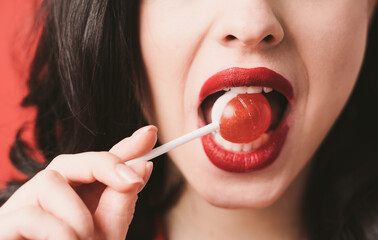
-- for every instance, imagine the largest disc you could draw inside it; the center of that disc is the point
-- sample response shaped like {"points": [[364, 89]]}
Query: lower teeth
{"points": [[241, 147]]}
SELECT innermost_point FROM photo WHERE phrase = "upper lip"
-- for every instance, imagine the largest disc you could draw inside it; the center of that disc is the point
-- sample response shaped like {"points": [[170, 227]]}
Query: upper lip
{"points": [[236, 77]]}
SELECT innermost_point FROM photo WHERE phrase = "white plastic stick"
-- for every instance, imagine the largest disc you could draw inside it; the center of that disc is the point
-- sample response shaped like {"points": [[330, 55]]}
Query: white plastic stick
{"points": [[175, 143]]}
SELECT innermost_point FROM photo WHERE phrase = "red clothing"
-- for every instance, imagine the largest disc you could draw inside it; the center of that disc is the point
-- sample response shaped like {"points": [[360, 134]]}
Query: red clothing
{"points": [[159, 233]]}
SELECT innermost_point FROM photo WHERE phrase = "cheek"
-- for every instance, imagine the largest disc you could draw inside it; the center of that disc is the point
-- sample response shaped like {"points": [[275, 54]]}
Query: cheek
{"points": [[332, 62], [169, 36], [168, 47], [162, 74]]}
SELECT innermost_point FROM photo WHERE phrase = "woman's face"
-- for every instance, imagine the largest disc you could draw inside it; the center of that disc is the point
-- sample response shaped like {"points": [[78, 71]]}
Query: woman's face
{"points": [[193, 48]]}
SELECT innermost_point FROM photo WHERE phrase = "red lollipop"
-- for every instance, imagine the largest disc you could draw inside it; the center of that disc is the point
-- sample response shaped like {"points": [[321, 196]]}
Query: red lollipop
{"points": [[245, 118]]}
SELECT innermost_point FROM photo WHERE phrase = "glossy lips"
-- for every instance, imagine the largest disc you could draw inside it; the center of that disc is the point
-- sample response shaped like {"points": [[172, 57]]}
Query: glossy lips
{"points": [[266, 154]]}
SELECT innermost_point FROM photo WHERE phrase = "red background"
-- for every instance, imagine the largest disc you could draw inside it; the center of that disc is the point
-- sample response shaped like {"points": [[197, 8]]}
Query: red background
{"points": [[16, 19]]}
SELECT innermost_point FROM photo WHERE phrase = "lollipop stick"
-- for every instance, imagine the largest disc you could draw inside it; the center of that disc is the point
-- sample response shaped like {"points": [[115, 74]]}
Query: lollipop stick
{"points": [[175, 143]]}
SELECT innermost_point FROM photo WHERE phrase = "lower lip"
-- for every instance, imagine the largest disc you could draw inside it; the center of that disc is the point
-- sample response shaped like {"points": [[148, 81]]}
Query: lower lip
{"points": [[250, 161]]}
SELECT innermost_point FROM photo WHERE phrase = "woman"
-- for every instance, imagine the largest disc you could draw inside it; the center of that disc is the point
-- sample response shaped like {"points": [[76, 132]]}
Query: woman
{"points": [[105, 68]]}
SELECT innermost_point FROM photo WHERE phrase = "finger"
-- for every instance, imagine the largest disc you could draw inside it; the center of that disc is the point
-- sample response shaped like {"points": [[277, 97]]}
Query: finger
{"points": [[112, 223], [89, 167], [149, 167], [118, 208], [34, 223], [107, 167], [49, 191], [125, 152]]}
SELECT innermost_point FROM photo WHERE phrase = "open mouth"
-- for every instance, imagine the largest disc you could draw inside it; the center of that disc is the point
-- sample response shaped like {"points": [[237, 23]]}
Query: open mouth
{"points": [[278, 104], [247, 156]]}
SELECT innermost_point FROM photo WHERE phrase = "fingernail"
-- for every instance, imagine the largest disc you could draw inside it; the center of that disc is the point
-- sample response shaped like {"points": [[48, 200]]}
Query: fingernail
{"points": [[143, 130], [149, 166], [128, 174]]}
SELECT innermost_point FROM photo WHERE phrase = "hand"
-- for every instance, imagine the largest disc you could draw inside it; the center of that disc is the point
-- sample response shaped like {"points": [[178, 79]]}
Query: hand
{"points": [[90, 195]]}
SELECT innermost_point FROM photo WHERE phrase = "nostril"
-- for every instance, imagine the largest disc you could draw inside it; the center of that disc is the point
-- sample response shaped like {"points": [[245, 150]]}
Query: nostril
{"points": [[268, 38], [230, 37]]}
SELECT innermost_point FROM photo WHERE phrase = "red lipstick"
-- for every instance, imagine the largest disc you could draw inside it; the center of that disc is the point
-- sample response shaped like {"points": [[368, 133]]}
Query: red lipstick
{"points": [[265, 155]]}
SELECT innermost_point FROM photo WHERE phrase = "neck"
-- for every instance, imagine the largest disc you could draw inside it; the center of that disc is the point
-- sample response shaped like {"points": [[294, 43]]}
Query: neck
{"points": [[194, 218]]}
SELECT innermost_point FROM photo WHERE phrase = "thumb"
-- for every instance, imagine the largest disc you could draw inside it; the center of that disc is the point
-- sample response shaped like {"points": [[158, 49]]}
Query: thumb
{"points": [[116, 209]]}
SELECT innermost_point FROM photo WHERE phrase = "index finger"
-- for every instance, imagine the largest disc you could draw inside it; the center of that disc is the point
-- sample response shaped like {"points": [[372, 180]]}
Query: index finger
{"points": [[107, 167], [149, 133]]}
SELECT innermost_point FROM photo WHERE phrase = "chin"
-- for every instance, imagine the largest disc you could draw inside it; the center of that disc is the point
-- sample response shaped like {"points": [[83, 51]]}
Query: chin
{"points": [[223, 189], [241, 198]]}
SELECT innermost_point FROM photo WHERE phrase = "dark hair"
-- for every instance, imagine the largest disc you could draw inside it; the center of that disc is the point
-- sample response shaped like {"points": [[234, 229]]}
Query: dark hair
{"points": [[86, 80]]}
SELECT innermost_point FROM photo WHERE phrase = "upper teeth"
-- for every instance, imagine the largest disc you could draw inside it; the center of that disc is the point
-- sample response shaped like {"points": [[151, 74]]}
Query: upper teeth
{"points": [[253, 89]]}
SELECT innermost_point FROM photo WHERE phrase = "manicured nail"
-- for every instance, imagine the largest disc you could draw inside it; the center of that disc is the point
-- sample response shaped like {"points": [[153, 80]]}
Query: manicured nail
{"points": [[143, 130], [149, 166], [128, 174]]}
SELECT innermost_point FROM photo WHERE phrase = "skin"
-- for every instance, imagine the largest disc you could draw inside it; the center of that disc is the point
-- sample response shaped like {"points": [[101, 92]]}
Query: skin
{"points": [[89, 195], [317, 45]]}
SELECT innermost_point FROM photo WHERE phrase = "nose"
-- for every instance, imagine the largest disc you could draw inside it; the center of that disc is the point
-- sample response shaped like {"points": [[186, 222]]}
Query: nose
{"points": [[248, 24]]}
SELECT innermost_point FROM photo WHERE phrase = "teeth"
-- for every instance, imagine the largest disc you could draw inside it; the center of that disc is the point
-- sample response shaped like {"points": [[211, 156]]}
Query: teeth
{"points": [[236, 147], [265, 137], [247, 147], [252, 89], [241, 147], [227, 145], [267, 89], [257, 143], [239, 89]]}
